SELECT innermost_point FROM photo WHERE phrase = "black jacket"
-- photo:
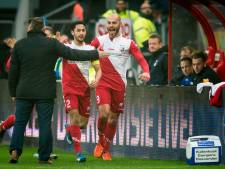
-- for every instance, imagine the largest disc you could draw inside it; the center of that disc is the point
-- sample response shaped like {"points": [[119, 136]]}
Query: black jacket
{"points": [[31, 74], [206, 73], [5, 52], [158, 62], [182, 80]]}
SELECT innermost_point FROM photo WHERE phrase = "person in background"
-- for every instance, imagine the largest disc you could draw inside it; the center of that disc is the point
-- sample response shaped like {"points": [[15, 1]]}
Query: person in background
{"points": [[32, 82], [186, 79], [58, 66], [49, 31], [6, 124], [143, 27], [122, 10], [159, 13], [64, 39], [6, 47], [202, 72], [78, 12], [158, 61], [186, 51]]}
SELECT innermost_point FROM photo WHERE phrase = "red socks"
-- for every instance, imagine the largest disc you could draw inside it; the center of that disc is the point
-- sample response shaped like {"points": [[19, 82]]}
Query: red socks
{"points": [[101, 128], [9, 122], [76, 136], [110, 131]]}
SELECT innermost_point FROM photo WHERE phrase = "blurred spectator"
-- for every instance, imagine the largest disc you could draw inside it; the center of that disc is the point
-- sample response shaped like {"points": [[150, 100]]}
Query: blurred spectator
{"points": [[122, 10], [6, 124], [202, 72], [143, 27], [5, 51], [159, 12], [49, 31], [157, 60], [186, 51], [78, 12], [186, 78], [64, 39]]}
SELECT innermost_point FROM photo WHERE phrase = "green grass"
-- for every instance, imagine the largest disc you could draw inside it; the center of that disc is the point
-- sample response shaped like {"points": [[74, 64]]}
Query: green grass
{"points": [[66, 160]]}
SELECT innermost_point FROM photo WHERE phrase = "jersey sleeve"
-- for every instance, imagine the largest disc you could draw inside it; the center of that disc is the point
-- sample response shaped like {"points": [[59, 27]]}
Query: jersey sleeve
{"points": [[95, 42], [134, 50]]}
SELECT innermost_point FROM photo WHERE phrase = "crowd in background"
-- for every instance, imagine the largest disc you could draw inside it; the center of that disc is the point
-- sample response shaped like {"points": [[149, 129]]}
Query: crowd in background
{"points": [[146, 31]]}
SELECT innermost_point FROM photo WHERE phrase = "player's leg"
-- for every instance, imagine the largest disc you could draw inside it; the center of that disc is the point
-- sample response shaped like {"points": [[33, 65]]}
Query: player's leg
{"points": [[109, 132], [6, 124], [73, 129], [103, 99], [84, 113], [117, 106]]}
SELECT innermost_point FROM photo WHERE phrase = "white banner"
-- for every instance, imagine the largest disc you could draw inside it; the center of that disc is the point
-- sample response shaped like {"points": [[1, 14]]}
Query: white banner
{"points": [[126, 29]]}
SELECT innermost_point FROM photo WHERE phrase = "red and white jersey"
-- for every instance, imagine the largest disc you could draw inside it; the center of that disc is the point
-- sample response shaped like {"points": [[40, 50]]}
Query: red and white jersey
{"points": [[113, 67], [75, 74]]}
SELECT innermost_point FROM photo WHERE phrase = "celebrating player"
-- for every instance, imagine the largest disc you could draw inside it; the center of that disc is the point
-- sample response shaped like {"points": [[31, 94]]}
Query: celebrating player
{"points": [[76, 89], [110, 92]]}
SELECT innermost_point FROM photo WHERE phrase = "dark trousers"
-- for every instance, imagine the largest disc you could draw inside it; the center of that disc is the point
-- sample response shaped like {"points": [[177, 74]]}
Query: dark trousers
{"points": [[24, 109]]}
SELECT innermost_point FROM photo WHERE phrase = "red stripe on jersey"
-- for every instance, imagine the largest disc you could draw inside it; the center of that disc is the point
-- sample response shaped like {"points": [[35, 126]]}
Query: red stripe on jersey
{"points": [[73, 82], [135, 51], [95, 42]]}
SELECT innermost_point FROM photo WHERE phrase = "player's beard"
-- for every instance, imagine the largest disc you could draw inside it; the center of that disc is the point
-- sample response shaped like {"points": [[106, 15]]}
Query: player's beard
{"points": [[113, 32], [79, 40]]}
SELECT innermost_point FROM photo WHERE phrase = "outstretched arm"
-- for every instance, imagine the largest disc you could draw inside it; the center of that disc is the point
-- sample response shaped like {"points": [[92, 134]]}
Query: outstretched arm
{"points": [[95, 42], [74, 54], [134, 50]]}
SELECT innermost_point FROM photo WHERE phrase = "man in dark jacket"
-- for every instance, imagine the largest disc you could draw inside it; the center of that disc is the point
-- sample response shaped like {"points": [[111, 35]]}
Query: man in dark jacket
{"points": [[32, 81], [202, 72], [157, 60]]}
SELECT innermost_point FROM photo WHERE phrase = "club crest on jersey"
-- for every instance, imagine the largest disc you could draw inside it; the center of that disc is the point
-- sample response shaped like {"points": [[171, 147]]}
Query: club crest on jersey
{"points": [[122, 49]]}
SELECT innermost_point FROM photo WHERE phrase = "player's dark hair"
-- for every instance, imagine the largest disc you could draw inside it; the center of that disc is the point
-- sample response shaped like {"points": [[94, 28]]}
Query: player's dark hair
{"points": [[73, 26]]}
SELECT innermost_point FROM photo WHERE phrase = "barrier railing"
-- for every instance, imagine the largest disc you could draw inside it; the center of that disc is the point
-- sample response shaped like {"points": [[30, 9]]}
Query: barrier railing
{"points": [[156, 123]]}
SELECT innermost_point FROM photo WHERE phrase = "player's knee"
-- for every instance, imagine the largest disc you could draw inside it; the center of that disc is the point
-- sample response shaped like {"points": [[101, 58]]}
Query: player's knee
{"points": [[74, 121], [103, 118], [83, 124], [112, 121], [104, 110]]}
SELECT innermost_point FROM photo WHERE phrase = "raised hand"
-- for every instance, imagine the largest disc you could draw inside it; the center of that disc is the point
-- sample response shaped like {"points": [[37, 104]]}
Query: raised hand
{"points": [[144, 76]]}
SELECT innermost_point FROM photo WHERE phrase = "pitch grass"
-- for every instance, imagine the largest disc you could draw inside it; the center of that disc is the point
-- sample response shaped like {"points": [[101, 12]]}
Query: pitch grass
{"points": [[66, 160]]}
